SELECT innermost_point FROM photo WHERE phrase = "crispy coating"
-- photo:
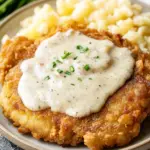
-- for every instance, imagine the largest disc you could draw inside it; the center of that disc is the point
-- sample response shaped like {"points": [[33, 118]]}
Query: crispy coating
{"points": [[116, 124]]}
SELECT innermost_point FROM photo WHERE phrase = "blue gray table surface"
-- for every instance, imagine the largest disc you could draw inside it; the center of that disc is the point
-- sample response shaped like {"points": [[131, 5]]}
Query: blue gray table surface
{"points": [[7, 145]]}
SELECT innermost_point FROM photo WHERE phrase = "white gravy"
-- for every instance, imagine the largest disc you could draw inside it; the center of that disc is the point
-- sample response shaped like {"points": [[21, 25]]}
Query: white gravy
{"points": [[78, 82]]}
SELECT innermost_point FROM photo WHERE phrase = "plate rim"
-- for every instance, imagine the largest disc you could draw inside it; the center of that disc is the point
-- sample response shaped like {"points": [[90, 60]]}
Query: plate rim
{"points": [[6, 133]]}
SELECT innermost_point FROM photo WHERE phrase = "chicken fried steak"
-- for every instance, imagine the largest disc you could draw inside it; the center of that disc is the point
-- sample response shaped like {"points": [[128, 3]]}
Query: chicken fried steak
{"points": [[116, 124]]}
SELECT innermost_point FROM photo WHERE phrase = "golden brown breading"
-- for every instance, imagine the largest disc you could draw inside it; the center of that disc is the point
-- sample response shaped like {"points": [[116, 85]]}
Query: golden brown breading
{"points": [[116, 124], [14, 52]]}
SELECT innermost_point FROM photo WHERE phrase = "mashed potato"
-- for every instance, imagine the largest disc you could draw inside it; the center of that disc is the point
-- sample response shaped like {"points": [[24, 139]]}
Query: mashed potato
{"points": [[42, 22], [116, 16]]}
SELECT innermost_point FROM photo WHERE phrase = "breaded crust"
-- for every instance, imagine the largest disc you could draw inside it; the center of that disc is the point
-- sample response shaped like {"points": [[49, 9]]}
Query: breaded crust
{"points": [[115, 125]]}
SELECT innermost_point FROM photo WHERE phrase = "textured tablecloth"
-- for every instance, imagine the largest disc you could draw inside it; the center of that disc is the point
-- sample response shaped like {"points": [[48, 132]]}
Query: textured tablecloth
{"points": [[6, 145]]}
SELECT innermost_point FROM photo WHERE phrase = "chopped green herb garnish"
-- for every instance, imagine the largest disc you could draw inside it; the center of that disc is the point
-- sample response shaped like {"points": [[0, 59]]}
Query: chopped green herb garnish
{"points": [[79, 79], [97, 57], [58, 61], [90, 78], [54, 64], [82, 49], [68, 73], [66, 55], [87, 67], [71, 69], [72, 84], [75, 58], [59, 71], [47, 78]]}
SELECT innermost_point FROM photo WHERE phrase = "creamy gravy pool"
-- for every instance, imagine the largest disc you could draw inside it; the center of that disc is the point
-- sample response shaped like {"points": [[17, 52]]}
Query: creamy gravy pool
{"points": [[73, 74]]}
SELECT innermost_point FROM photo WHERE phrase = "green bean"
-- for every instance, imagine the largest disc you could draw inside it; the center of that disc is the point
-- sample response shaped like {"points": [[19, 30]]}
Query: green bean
{"points": [[6, 6], [2, 1], [21, 3], [30, 1]]}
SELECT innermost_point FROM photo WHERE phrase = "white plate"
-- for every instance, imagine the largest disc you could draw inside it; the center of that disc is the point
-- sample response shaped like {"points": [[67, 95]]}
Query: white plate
{"points": [[10, 26]]}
